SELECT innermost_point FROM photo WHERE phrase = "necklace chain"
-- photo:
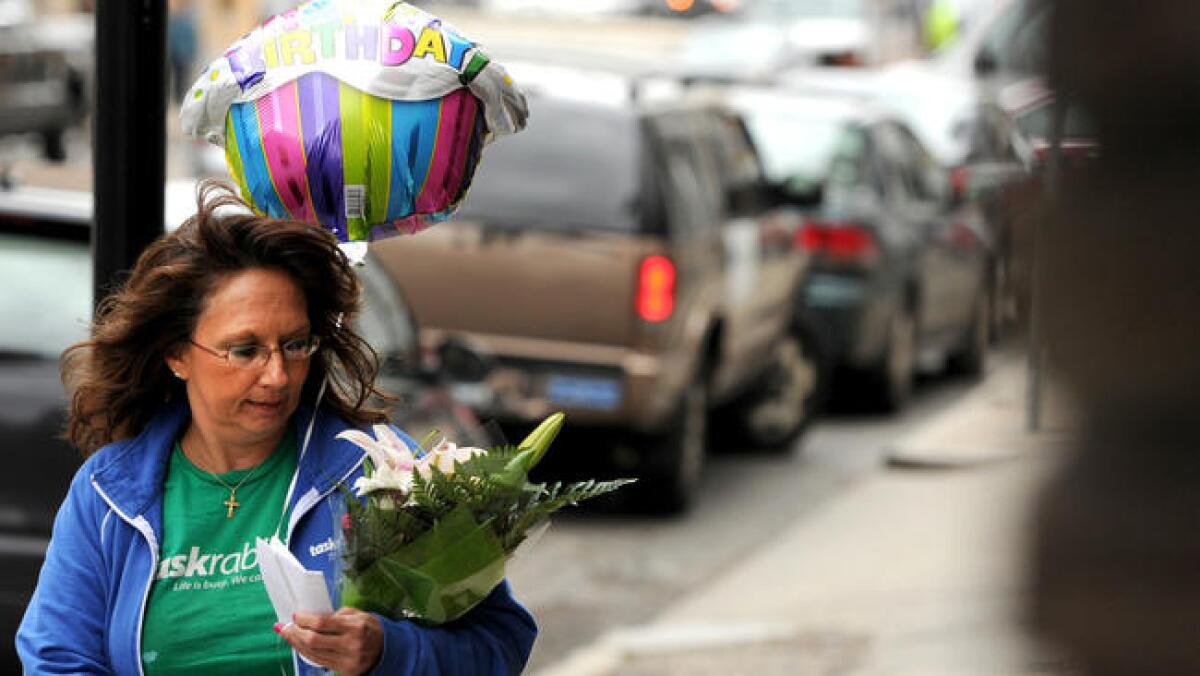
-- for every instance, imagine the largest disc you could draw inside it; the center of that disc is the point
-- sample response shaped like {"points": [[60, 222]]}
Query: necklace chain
{"points": [[232, 504]]}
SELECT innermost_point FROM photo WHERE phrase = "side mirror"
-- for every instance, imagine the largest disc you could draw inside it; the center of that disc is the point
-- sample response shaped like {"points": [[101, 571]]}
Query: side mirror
{"points": [[460, 362], [986, 63]]}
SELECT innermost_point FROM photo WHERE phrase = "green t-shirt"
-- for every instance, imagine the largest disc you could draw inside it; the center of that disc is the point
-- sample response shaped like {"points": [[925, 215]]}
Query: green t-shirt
{"points": [[208, 611]]}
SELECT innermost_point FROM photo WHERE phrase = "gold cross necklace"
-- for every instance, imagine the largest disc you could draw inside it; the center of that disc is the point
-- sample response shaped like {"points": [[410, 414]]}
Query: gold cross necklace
{"points": [[232, 504]]}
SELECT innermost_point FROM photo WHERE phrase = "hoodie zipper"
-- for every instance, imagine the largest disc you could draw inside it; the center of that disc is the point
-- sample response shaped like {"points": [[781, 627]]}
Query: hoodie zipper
{"points": [[142, 526]]}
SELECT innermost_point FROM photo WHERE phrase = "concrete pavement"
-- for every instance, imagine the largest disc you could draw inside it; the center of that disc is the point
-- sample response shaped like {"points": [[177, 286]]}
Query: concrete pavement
{"points": [[910, 572]]}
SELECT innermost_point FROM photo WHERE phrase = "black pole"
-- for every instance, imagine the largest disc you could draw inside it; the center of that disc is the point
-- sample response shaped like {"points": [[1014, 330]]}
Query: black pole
{"points": [[129, 146], [1051, 181]]}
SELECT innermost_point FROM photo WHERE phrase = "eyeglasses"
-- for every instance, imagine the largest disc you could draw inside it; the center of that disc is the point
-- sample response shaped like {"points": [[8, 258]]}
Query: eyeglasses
{"points": [[257, 356]]}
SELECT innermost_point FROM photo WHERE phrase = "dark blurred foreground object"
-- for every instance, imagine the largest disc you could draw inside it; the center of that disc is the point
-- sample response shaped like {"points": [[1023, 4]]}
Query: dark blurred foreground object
{"points": [[1116, 561]]}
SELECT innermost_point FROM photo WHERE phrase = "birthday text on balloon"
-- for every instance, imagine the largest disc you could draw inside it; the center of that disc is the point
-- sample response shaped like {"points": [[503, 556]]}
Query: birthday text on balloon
{"points": [[388, 44]]}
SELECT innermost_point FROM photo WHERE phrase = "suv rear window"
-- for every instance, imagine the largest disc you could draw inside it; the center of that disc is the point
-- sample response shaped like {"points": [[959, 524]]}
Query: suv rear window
{"points": [[576, 166], [802, 148]]}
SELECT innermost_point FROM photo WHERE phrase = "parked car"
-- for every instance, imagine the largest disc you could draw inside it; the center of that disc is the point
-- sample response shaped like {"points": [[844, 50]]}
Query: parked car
{"points": [[46, 274], [687, 10], [968, 131], [586, 8], [1029, 106], [1011, 42], [899, 271], [760, 39], [41, 92], [619, 261]]}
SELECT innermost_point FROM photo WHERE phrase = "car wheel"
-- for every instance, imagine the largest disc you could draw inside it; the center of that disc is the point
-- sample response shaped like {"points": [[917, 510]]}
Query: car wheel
{"points": [[777, 413], [971, 359], [894, 377], [54, 149], [675, 459]]}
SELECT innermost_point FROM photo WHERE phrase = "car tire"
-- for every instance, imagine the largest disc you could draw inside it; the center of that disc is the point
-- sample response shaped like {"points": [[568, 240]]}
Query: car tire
{"points": [[893, 378], [781, 408], [675, 459], [54, 147], [971, 359]]}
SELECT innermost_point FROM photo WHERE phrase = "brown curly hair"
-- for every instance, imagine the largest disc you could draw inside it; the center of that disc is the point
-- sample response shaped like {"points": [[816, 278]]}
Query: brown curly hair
{"points": [[118, 378]]}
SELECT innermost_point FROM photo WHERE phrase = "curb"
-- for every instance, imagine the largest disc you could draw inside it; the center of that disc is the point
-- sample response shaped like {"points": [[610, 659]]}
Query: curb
{"points": [[946, 459], [985, 427]]}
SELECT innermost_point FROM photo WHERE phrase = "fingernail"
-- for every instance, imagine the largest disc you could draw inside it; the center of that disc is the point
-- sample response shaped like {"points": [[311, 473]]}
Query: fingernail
{"points": [[278, 627]]}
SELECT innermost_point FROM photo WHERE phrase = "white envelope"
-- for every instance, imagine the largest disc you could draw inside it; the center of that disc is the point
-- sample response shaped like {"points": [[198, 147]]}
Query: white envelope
{"points": [[290, 585]]}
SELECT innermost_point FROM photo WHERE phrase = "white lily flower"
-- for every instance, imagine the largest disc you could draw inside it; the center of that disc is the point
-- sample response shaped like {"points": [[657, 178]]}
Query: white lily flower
{"points": [[444, 456], [384, 479], [393, 460], [387, 449]]}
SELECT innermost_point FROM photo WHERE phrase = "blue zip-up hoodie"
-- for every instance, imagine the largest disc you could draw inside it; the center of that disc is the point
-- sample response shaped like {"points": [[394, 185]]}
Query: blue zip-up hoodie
{"points": [[86, 614]]}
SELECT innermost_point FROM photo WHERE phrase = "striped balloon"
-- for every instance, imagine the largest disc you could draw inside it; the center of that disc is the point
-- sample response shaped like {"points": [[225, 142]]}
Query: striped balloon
{"points": [[364, 167]]}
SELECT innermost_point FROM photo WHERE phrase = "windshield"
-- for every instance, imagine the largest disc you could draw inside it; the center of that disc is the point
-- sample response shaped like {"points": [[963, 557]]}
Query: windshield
{"points": [[805, 9], [574, 166], [795, 146], [942, 122], [725, 45], [47, 297]]}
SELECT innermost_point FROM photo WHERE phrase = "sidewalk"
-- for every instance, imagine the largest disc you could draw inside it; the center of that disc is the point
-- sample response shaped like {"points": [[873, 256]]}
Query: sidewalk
{"points": [[911, 572]]}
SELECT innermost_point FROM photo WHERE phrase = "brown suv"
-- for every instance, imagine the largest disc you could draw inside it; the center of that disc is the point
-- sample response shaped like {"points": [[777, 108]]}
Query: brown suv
{"points": [[620, 262]]}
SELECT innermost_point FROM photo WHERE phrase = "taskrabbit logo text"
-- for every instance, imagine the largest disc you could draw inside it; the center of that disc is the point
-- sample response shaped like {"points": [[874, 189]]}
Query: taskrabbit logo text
{"points": [[205, 564], [322, 548]]}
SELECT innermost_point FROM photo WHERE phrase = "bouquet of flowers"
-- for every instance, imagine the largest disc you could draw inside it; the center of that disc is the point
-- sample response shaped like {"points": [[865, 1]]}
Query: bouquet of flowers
{"points": [[432, 536]]}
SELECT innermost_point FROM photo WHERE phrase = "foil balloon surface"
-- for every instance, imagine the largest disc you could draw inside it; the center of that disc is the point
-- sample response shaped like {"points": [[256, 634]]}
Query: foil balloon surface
{"points": [[366, 116]]}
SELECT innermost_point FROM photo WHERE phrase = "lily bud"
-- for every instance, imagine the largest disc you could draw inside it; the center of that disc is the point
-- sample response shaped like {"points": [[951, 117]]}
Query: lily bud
{"points": [[540, 438]]}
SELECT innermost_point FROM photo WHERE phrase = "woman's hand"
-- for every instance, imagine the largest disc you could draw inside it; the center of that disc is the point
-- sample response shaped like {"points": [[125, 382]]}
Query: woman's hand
{"points": [[348, 641]]}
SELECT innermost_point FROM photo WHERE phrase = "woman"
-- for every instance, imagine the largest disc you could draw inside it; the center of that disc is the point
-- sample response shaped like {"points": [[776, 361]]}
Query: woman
{"points": [[193, 399]]}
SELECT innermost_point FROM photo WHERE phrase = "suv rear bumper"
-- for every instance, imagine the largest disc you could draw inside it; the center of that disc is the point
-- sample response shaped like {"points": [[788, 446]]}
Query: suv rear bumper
{"points": [[595, 385], [849, 315]]}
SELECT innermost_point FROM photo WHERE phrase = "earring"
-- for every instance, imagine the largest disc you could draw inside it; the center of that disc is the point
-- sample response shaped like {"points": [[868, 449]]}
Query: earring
{"points": [[177, 375]]}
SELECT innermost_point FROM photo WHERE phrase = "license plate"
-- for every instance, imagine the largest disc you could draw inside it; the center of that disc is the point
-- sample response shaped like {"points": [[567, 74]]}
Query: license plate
{"points": [[601, 393]]}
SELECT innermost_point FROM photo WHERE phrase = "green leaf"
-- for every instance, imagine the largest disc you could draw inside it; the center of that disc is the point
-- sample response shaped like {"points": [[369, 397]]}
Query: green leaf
{"points": [[443, 548], [439, 576]]}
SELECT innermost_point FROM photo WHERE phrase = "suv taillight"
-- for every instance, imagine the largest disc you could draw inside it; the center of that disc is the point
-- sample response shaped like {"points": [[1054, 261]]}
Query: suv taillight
{"points": [[960, 179], [656, 289], [838, 242]]}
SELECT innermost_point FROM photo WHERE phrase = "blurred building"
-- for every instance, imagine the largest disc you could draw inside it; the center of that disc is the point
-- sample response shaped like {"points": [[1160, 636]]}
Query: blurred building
{"points": [[220, 22], [223, 21]]}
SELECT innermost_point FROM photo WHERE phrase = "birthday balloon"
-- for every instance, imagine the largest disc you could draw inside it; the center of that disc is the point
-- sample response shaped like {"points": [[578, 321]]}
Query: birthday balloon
{"points": [[366, 116]]}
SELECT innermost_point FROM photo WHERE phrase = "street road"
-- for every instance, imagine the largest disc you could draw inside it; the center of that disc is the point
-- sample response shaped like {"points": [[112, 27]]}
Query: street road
{"points": [[593, 572]]}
